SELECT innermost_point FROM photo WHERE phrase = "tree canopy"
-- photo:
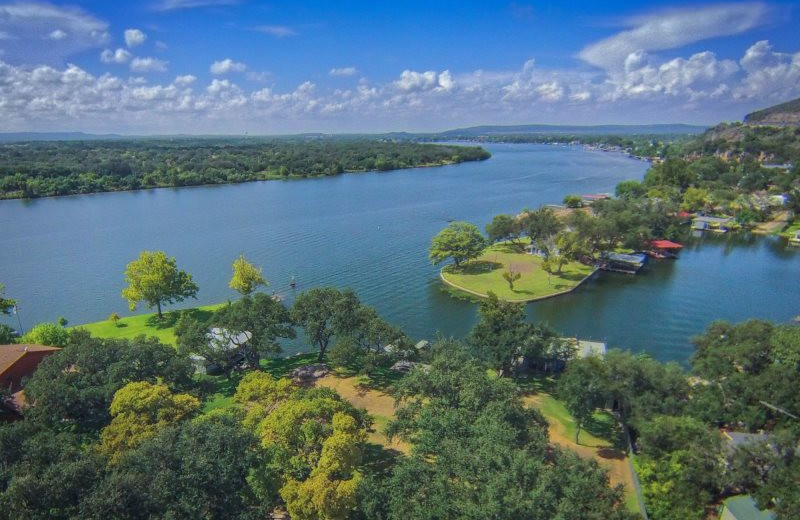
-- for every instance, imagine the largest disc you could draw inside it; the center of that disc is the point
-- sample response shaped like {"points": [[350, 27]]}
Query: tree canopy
{"points": [[155, 279], [460, 241], [246, 277]]}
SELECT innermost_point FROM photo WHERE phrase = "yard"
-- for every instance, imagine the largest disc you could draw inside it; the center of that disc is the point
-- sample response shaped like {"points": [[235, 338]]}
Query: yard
{"points": [[485, 274]]}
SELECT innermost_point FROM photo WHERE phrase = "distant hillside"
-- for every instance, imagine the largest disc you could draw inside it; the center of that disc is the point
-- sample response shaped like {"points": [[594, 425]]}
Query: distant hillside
{"points": [[663, 129], [12, 137], [785, 114]]}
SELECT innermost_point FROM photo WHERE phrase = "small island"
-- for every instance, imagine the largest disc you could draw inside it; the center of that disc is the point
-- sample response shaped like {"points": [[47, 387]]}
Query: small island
{"points": [[487, 273]]}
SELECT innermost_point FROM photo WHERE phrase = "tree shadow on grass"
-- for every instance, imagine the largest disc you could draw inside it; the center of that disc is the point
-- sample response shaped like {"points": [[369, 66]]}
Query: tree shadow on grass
{"points": [[171, 318], [476, 267], [604, 426]]}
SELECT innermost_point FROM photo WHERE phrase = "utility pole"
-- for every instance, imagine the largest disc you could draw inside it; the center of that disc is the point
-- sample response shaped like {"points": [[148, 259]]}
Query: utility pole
{"points": [[19, 320]]}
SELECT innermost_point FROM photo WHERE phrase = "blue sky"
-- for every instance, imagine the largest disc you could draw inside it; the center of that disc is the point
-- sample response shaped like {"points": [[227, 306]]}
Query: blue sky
{"points": [[233, 66]]}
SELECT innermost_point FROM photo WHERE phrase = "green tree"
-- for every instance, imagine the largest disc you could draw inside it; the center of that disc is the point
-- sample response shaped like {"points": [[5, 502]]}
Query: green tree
{"points": [[6, 304], [695, 199], [114, 318], [573, 201], [46, 334], [582, 388], [139, 410], [246, 277], [504, 227], [460, 241], [322, 312], [73, 387], [511, 277], [155, 279], [200, 468], [502, 335], [630, 189], [329, 493], [540, 225]]}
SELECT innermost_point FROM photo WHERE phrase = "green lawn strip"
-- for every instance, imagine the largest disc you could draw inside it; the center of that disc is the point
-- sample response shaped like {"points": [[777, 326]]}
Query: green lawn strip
{"points": [[147, 324], [599, 433], [485, 274]]}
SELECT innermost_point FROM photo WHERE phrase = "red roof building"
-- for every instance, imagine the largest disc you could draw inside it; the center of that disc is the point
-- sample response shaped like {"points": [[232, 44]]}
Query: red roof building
{"points": [[17, 364], [665, 244]]}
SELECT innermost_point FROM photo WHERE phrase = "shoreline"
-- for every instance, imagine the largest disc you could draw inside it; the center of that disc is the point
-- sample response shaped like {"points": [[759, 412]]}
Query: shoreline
{"points": [[528, 300]]}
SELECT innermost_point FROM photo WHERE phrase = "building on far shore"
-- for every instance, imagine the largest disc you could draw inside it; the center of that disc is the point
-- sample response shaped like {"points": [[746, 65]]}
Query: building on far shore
{"points": [[743, 507], [17, 364]]}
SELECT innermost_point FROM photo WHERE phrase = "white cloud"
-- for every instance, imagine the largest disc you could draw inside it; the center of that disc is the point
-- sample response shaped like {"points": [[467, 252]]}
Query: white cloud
{"points": [[673, 29], [343, 71], [171, 5], [134, 37], [278, 31], [69, 31], [646, 89], [58, 35], [226, 66], [148, 65], [118, 56]]}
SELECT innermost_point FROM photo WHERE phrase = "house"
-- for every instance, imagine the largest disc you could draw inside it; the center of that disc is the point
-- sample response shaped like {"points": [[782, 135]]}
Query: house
{"points": [[534, 249], [222, 340], [594, 197], [743, 507], [735, 439], [17, 364], [590, 348], [715, 224]]}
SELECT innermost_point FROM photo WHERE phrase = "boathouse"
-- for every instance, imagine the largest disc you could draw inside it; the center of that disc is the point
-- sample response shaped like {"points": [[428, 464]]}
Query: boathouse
{"points": [[622, 263], [716, 224], [664, 249]]}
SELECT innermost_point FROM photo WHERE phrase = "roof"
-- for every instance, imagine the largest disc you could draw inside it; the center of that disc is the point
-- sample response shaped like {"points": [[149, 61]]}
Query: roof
{"points": [[743, 507], [713, 220], [590, 348], [665, 244], [595, 196], [225, 339], [10, 354], [739, 438], [637, 258]]}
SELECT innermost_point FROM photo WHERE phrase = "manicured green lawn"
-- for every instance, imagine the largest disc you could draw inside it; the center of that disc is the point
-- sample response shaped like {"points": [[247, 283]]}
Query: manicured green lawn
{"points": [[147, 324], [793, 228], [486, 274]]}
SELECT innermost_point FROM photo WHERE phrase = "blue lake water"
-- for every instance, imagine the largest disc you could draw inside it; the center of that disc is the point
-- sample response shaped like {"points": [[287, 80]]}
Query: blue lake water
{"points": [[65, 256]]}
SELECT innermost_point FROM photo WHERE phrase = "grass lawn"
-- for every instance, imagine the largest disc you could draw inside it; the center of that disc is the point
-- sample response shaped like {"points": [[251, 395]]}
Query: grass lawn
{"points": [[485, 274], [793, 228], [147, 324], [602, 439]]}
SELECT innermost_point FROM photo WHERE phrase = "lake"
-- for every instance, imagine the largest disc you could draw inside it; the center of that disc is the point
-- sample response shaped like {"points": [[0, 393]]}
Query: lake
{"points": [[66, 256]]}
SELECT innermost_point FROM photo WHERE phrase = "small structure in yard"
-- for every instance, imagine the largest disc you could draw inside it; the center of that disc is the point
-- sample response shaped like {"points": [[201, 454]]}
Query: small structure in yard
{"points": [[222, 340], [743, 507], [307, 374], [591, 198], [17, 364], [403, 366], [734, 440], [534, 249], [715, 224], [590, 349], [664, 249], [794, 240], [622, 263]]}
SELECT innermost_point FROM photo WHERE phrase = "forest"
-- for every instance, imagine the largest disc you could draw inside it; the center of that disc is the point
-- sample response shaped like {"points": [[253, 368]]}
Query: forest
{"points": [[50, 168]]}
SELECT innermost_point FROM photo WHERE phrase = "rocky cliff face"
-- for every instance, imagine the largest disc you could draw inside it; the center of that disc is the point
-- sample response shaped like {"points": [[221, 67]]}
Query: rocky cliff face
{"points": [[785, 114]]}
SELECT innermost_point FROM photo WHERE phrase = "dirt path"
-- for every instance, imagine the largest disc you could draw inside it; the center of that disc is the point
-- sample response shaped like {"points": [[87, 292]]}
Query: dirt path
{"points": [[778, 223], [615, 461], [380, 406]]}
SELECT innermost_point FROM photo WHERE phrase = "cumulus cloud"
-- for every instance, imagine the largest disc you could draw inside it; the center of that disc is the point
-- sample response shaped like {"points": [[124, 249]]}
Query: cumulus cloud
{"points": [[118, 56], [343, 71], [673, 29], [68, 31], [148, 65], [226, 66], [134, 37], [278, 31], [647, 88]]}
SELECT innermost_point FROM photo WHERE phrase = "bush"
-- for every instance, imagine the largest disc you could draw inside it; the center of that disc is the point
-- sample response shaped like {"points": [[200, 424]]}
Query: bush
{"points": [[573, 201], [49, 334]]}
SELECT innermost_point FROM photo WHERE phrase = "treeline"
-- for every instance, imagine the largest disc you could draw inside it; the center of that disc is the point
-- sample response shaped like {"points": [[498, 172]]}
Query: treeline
{"points": [[118, 429], [743, 379], [38, 169]]}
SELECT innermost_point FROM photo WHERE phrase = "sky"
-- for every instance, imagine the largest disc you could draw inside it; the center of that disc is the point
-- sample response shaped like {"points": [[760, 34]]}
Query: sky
{"points": [[260, 67]]}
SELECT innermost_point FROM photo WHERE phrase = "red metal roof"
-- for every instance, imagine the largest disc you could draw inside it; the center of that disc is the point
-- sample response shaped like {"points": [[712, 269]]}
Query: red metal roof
{"points": [[665, 244]]}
